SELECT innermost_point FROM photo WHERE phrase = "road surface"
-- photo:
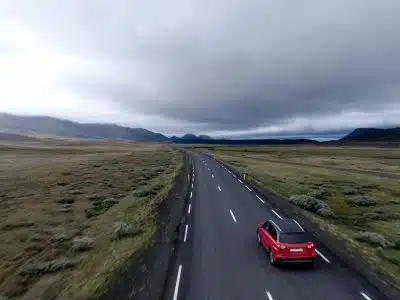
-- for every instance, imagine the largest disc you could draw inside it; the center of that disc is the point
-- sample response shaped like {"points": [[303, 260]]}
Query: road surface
{"points": [[219, 257]]}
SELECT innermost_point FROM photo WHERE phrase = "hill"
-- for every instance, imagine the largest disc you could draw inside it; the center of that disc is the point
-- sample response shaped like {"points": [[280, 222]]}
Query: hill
{"points": [[373, 135], [57, 127]]}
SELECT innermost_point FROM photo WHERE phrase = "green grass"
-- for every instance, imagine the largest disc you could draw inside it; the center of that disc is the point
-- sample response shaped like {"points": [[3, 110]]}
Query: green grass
{"points": [[62, 205], [343, 178]]}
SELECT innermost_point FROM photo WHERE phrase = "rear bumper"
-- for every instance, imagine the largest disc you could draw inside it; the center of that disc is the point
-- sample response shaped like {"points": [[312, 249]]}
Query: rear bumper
{"points": [[297, 260]]}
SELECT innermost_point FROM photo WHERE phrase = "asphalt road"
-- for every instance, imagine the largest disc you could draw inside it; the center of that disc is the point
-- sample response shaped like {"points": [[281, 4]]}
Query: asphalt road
{"points": [[219, 257]]}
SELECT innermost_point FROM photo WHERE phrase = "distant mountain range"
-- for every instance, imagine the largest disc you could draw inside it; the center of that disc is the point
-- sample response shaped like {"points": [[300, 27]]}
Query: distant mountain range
{"points": [[30, 125], [14, 125]]}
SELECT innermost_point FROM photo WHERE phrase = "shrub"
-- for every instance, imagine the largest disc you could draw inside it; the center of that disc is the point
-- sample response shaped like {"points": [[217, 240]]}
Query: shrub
{"points": [[94, 197], [361, 200], [312, 204], [76, 192], [350, 191], [64, 210], [38, 269], [91, 212], [370, 186], [65, 201], [82, 244], [325, 212], [319, 194], [396, 244], [61, 237], [391, 259], [382, 215], [124, 230], [22, 224], [374, 239], [394, 202], [145, 192]]}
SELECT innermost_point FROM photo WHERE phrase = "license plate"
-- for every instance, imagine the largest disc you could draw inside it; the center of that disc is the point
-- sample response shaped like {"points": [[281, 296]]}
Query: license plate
{"points": [[296, 250]]}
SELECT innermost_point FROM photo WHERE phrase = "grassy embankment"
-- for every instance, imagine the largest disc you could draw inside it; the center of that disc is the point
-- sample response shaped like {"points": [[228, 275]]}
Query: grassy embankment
{"points": [[354, 193], [73, 212]]}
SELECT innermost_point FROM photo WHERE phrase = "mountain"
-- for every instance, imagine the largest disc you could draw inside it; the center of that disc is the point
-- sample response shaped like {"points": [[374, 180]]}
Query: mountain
{"points": [[373, 135], [189, 137], [53, 126], [246, 141]]}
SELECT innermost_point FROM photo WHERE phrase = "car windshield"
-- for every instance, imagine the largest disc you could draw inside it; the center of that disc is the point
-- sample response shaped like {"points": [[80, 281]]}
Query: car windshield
{"points": [[294, 238]]}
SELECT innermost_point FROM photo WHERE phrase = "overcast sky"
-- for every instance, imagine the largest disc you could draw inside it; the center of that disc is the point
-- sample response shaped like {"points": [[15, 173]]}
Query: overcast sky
{"points": [[226, 68]]}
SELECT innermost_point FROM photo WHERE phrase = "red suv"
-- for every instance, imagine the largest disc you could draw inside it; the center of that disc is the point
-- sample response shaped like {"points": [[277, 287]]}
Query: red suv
{"points": [[286, 241]]}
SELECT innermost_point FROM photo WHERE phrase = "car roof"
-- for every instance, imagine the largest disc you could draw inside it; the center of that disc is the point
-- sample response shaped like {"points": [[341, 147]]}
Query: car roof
{"points": [[287, 225]]}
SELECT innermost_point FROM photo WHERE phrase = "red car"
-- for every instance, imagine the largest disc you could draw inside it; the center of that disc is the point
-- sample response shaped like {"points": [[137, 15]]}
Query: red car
{"points": [[286, 242]]}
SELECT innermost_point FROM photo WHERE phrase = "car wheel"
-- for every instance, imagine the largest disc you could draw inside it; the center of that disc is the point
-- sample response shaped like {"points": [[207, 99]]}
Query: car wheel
{"points": [[271, 258]]}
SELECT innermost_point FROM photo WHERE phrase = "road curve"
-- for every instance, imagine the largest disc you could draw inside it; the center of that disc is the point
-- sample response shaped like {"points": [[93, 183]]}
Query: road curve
{"points": [[219, 257]]}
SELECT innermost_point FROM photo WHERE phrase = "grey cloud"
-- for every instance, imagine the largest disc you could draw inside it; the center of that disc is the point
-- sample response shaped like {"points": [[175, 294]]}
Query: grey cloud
{"points": [[230, 65]]}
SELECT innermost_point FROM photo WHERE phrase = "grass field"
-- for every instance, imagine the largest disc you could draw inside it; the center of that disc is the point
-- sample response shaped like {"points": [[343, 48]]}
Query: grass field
{"points": [[357, 188], [71, 212]]}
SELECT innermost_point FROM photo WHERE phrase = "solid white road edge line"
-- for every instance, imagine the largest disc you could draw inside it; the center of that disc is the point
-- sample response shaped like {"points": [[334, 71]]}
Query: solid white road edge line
{"points": [[233, 216], [190, 207], [178, 279], [269, 295], [259, 198], [365, 296], [240, 181], [323, 257], [186, 231], [248, 188], [219, 188], [277, 214]]}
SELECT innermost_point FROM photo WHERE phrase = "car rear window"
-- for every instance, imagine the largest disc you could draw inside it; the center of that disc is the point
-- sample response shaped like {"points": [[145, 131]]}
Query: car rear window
{"points": [[294, 238]]}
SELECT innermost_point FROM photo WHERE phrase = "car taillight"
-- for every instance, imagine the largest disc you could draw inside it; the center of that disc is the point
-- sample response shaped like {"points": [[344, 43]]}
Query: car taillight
{"points": [[310, 246]]}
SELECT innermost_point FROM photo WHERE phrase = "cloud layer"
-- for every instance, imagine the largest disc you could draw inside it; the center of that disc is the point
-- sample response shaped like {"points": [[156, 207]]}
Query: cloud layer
{"points": [[228, 68]]}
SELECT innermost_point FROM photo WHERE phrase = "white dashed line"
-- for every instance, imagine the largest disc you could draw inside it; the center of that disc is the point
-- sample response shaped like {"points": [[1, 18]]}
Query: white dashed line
{"points": [[269, 295], [277, 214], [323, 257], [191, 194], [186, 231], [233, 216], [208, 169], [178, 279], [190, 207], [229, 172], [298, 225], [212, 175], [365, 296], [248, 188], [219, 188], [192, 185], [259, 198], [240, 181], [234, 175]]}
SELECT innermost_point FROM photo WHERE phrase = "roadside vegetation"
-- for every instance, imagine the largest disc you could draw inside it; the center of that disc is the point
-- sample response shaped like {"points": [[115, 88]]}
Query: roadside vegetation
{"points": [[74, 211], [354, 193]]}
